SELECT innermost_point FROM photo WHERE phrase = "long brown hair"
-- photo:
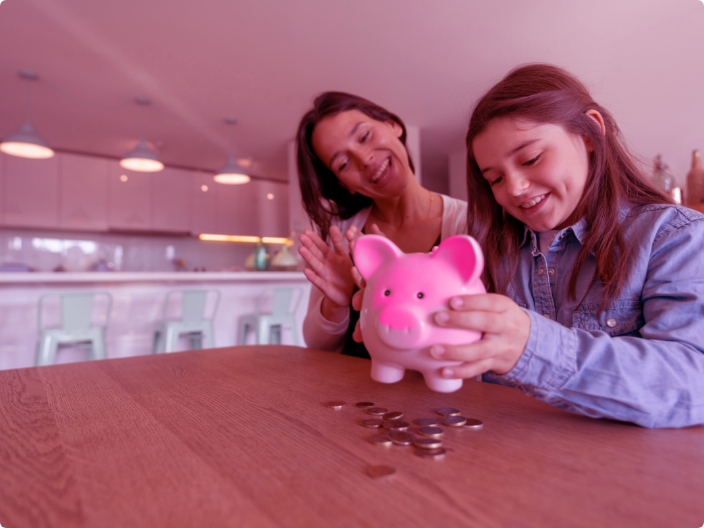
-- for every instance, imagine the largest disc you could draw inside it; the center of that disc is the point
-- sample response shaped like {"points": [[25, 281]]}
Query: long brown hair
{"points": [[323, 196], [544, 93]]}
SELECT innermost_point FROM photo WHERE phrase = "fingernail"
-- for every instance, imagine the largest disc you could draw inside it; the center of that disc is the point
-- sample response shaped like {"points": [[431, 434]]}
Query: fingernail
{"points": [[437, 351], [448, 372], [457, 302], [442, 317]]}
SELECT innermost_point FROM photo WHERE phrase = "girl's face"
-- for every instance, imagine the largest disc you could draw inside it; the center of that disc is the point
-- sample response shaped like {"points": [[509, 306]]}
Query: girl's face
{"points": [[366, 155], [537, 171]]}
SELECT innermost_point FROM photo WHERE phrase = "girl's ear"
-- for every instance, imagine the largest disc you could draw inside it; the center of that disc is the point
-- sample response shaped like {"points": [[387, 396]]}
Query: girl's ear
{"points": [[398, 130], [596, 116]]}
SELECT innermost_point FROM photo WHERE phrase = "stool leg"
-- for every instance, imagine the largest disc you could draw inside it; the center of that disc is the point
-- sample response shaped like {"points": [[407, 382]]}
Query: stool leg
{"points": [[170, 342], [275, 334], [244, 328], [47, 351], [98, 347], [207, 336], [196, 339], [263, 331], [156, 342], [294, 333]]}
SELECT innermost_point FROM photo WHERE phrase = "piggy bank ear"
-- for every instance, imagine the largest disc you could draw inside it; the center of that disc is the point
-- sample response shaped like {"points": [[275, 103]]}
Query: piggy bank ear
{"points": [[371, 251], [464, 254]]}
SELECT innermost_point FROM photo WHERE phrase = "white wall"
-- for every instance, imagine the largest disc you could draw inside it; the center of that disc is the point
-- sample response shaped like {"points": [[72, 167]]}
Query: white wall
{"points": [[457, 174]]}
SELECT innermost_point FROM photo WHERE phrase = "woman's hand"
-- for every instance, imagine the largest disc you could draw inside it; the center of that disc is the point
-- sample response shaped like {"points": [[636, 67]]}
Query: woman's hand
{"points": [[329, 270], [505, 328], [352, 235]]}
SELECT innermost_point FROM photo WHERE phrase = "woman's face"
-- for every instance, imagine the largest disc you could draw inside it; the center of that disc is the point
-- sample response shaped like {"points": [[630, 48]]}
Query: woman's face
{"points": [[366, 155], [537, 171]]}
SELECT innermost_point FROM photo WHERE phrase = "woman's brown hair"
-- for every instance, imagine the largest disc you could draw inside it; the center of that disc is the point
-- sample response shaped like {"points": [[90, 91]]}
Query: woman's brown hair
{"points": [[323, 196], [543, 93]]}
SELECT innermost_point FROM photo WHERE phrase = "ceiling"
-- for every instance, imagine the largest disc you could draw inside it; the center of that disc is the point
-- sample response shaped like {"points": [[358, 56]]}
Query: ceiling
{"points": [[263, 62]]}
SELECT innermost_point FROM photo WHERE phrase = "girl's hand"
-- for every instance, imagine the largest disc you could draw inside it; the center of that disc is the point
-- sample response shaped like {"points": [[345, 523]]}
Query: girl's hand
{"points": [[505, 328], [330, 271]]}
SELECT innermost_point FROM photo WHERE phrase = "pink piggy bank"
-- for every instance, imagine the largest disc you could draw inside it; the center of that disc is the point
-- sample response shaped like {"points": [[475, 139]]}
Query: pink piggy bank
{"points": [[403, 291]]}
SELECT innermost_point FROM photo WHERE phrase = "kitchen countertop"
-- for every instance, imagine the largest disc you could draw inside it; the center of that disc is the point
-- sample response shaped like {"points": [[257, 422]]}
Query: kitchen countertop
{"points": [[149, 276]]}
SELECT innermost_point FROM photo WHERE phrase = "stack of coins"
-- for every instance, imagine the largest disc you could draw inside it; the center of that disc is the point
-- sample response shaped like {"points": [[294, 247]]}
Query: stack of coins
{"points": [[395, 431]]}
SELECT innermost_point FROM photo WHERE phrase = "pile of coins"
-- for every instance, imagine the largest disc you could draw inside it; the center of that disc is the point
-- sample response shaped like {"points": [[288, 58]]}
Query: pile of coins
{"points": [[428, 438]]}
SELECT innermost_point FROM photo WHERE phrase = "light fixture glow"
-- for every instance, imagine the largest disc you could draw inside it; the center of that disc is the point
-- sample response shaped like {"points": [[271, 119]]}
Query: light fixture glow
{"points": [[231, 173], [26, 143], [142, 158], [230, 238], [275, 240], [270, 196], [204, 188]]}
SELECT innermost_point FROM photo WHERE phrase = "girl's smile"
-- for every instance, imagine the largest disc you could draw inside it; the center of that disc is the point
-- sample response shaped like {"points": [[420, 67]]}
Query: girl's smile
{"points": [[537, 171]]}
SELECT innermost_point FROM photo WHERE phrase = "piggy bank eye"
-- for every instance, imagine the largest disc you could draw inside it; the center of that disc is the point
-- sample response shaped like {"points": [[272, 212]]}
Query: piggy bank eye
{"points": [[420, 295], [387, 292]]}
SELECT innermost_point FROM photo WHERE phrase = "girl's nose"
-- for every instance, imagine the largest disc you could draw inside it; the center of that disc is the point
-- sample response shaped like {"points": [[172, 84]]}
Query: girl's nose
{"points": [[516, 184]]}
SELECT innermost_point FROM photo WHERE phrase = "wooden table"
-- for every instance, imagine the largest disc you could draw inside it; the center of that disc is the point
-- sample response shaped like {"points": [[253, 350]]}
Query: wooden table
{"points": [[239, 437]]}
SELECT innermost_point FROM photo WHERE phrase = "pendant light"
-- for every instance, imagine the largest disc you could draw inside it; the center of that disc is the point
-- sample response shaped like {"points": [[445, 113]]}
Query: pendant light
{"points": [[231, 173], [25, 143], [142, 158]]}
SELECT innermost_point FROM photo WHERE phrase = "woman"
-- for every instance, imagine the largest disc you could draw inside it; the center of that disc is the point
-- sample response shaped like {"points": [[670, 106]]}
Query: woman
{"points": [[596, 290], [356, 177]]}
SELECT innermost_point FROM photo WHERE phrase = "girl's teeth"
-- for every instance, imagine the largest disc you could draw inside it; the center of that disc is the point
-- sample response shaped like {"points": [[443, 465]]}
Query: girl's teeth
{"points": [[533, 202], [376, 177]]}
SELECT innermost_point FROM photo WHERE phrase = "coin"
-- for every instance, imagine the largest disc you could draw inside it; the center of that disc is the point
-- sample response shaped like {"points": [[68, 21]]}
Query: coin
{"points": [[430, 453], [432, 432], [447, 411], [396, 425], [455, 421], [473, 423], [380, 471], [336, 404], [380, 440], [377, 411], [427, 443], [427, 422], [373, 423], [401, 438], [396, 415], [364, 404]]}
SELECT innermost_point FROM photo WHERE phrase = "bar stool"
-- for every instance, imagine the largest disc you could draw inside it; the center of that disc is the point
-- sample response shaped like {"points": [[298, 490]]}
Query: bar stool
{"points": [[268, 326], [76, 328], [192, 322]]}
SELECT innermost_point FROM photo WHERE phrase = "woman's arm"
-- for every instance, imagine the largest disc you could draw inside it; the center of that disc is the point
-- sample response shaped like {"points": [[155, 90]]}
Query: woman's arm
{"points": [[320, 333]]}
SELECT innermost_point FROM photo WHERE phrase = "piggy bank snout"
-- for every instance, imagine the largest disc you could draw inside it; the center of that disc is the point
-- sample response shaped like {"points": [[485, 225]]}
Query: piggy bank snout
{"points": [[397, 318], [400, 327]]}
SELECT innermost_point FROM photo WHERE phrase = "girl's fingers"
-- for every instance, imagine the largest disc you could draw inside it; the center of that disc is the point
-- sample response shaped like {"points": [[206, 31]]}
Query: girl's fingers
{"points": [[485, 302], [467, 370], [376, 231], [358, 279], [484, 322], [472, 352]]}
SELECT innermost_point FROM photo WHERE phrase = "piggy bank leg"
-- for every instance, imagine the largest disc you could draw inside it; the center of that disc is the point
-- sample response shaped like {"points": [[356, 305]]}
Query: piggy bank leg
{"points": [[385, 373], [439, 384]]}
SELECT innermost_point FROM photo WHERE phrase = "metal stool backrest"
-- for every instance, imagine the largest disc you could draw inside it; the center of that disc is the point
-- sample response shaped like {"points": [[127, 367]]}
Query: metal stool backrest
{"points": [[192, 304], [281, 304], [76, 309]]}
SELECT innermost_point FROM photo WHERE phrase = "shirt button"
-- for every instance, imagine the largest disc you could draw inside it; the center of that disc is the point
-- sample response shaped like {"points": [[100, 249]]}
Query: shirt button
{"points": [[551, 272], [611, 323], [541, 271]]}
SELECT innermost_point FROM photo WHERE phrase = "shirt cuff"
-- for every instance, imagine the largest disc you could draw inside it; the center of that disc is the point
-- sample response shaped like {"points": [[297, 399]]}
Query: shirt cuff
{"points": [[328, 326], [549, 359]]}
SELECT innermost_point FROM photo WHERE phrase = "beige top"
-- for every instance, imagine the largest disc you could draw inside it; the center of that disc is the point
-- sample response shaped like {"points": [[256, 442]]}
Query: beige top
{"points": [[322, 334]]}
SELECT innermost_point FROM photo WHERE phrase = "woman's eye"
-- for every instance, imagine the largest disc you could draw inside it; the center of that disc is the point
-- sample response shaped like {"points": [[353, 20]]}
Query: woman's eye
{"points": [[531, 161], [342, 167], [364, 137]]}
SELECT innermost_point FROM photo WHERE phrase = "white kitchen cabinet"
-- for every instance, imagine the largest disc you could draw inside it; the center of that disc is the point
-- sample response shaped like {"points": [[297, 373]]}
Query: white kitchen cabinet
{"points": [[237, 209], [272, 210], [31, 192], [172, 191], [203, 195], [130, 198], [83, 192]]}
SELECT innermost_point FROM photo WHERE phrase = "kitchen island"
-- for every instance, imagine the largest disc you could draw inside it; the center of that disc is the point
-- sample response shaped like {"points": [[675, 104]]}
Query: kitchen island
{"points": [[138, 303]]}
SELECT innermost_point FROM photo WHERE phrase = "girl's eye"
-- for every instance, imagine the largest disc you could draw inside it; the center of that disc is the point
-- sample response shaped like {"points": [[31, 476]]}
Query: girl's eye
{"points": [[420, 295], [496, 181], [531, 161], [387, 292]]}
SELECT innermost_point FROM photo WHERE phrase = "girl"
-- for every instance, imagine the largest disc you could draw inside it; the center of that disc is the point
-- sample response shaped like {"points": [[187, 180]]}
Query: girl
{"points": [[596, 300], [356, 176]]}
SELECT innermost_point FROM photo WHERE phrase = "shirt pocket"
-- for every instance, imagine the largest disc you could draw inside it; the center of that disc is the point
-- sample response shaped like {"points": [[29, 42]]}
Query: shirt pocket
{"points": [[619, 318]]}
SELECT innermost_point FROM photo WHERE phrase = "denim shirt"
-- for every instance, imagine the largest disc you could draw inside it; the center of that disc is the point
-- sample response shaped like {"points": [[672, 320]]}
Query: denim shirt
{"points": [[641, 359]]}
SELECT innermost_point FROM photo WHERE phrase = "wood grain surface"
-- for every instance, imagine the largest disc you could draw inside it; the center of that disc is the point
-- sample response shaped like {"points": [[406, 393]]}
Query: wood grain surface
{"points": [[240, 437]]}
